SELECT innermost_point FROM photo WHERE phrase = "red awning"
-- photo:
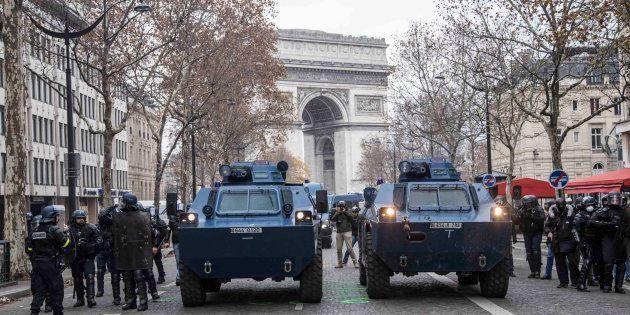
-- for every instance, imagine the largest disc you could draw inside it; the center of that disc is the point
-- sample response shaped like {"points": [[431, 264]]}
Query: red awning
{"points": [[529, 186], [602, 183]]}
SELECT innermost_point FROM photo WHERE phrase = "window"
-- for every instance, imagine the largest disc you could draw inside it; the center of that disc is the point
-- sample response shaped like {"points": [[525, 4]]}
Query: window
{"points": [[1, 119], [576, 137], [575, 105], [62, 174], [243, 201], [35, 171], [596, 138], [1, 72], [35, 139], [594, 105], [4, 166], [598, 168], [617, 108], [445, 198]]}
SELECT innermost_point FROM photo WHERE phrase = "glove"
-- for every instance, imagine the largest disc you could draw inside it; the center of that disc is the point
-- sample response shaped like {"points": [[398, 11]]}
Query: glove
{"points": [[514, 240]]}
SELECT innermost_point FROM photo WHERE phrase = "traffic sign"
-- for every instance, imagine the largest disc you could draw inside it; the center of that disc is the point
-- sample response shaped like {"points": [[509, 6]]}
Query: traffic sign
{"points": [[489, 181], [558, 179]]}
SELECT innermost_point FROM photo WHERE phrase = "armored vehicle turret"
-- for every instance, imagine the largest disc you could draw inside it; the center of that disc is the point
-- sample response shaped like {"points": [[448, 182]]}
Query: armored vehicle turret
{"points": [[432, 221], [255, 225]]}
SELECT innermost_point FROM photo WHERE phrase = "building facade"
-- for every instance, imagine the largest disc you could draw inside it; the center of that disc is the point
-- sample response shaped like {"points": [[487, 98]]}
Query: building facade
{"points": [[142, 157], [47, 136], [338, 85], [587, 150]]}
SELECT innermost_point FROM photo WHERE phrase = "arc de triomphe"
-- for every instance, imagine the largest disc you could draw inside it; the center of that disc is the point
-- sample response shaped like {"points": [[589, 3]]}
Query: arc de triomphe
{"points": [[338, 84]]}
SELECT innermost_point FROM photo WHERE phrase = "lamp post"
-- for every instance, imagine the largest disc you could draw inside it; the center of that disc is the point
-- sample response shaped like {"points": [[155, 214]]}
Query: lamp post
{"points": [[194, 163], [73, 164]]}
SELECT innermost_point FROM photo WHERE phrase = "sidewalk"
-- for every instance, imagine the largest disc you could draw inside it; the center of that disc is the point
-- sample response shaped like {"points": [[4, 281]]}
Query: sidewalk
{"points": [[23, 288]]}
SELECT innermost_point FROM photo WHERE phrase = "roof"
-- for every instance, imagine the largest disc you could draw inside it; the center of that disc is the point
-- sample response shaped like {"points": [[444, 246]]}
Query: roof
{"points": [[529, 186], [602, 183]]}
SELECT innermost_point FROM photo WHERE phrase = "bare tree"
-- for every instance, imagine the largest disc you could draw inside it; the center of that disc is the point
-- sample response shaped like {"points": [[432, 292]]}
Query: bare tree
{"points": [[14, 229]]}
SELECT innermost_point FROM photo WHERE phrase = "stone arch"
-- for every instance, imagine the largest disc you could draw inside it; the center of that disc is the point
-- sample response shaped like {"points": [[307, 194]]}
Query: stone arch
{"points": [[325, 159], [598, 168], [322, 107]]}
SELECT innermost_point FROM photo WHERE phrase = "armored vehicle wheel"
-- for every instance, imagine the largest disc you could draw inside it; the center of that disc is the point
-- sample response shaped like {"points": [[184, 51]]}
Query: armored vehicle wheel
{"points": [[191, 288], [362, 274], [311, 278], [377, 273], [212, 285], [472, 279], [494, 283]]}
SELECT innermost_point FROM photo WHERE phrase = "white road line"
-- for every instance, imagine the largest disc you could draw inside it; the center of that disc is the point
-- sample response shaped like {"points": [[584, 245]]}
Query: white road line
{"points": [[161, 292], [168, 285], [479, 300], [299, 306]]}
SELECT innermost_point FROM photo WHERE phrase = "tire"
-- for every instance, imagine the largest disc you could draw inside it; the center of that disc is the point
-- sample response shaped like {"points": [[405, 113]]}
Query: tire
{"points": [[311, 279], [362, 274], [191, 288], [494, 283], [377, 273], [212, 285], [472, 279]]}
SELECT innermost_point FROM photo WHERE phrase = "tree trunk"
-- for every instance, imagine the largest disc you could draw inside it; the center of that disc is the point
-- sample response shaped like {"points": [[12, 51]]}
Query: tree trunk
{"points": [[184, 174], [508, 180], [15, 121], [108, 138], [158, 173]]}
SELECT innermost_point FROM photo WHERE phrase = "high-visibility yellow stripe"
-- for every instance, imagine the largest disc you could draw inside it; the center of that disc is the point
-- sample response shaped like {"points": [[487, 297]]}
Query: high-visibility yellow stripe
{"points": [[66, 244], [29, 249]]}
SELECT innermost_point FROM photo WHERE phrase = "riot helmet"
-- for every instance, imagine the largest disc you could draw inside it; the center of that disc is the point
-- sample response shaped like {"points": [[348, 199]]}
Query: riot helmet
{"points": [[341, 204], [614, 199], [529, 201], [589, 203], [578, 202], [79, 214], [569, 200], [128, 201], [49, 213], [561, 204]]}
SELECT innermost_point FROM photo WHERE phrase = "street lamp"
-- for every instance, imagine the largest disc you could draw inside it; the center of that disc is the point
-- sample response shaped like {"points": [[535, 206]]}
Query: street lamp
{"points": [[74, 159]]}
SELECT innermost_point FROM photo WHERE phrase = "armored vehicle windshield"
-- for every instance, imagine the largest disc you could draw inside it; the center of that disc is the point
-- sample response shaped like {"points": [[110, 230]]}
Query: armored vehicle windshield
{"points": [[438, 197], [243, 201]]}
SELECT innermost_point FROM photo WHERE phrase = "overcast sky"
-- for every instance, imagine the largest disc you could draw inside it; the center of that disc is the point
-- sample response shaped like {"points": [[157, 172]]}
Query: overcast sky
{"points": [[375, 18]]}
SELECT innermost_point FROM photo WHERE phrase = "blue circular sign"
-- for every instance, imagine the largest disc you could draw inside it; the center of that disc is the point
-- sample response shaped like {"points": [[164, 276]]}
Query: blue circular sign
{"points": [[558, 179], [489, 181]]}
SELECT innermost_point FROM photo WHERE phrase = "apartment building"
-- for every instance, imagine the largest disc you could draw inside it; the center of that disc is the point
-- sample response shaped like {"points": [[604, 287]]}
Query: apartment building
{"points": [[142, 158], [47, 137]]}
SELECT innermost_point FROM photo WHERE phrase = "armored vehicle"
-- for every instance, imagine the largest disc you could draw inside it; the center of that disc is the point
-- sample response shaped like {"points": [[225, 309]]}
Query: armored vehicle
{"points": [[432, 221], [255, 225]]}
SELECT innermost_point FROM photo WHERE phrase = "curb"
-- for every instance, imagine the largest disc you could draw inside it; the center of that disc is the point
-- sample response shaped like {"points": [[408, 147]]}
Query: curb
{"points": [[22, 291]]}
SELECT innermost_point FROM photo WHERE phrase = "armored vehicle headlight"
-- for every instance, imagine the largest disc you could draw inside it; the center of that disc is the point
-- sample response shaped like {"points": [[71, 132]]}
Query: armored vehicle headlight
{"points": [[225, 170], [189, 218], [303, 217], [404, 167], [499, 214], [387, 214]]}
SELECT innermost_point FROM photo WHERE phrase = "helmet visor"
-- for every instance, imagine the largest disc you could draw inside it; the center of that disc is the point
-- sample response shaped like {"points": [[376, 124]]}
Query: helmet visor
{"points": [[614, 200]]}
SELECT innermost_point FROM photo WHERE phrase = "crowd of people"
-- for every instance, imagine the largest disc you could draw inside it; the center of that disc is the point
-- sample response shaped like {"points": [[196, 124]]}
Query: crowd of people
{"points": [[589, 240], [88, 249]]}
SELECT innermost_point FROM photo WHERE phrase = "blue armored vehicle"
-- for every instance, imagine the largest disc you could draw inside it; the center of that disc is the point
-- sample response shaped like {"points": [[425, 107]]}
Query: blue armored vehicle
{"points": [[255, 225], [432, 221]]}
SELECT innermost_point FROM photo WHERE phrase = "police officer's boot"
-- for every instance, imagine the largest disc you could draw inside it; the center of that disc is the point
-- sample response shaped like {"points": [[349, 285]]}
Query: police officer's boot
{"points": [[79, 289], [89, 281], [530, 262], [130, 291], [619, 274], [47, 309], [537, 264], [143, 300], [116, 288], [100, 282], [607, 278], [150, 278]]}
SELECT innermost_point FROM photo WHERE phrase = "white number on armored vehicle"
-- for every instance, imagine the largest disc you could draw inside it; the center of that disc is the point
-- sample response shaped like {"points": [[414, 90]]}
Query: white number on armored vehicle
{"points": [[446, 225], [245, 230]]}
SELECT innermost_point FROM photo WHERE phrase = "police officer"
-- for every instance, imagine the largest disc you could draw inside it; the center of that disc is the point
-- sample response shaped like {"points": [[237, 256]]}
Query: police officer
{"points": [[173, 227], [45, 246], [132, 258], [586, 235], [532, 222], [88, 241], [502, 202], [105, 260], [564, 242], [160, 230], [609, 222]]}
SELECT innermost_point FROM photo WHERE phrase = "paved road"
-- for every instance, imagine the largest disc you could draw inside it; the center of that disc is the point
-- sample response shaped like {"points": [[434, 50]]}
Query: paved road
{"points": [[426, 294]]}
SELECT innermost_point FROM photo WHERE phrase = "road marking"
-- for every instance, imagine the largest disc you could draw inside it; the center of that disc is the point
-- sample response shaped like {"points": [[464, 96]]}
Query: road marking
{"points": [[480, 301], [168, 285], [161, 292], [299, 306]]}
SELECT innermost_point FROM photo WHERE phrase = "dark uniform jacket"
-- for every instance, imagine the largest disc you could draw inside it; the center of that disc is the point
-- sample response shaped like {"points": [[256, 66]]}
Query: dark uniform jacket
{"points": [[531, 221], [584, 229], [344, 221], [47, 243], [562, 227], [159, 231], [609, 222], [87, 239], [105, 228]]}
